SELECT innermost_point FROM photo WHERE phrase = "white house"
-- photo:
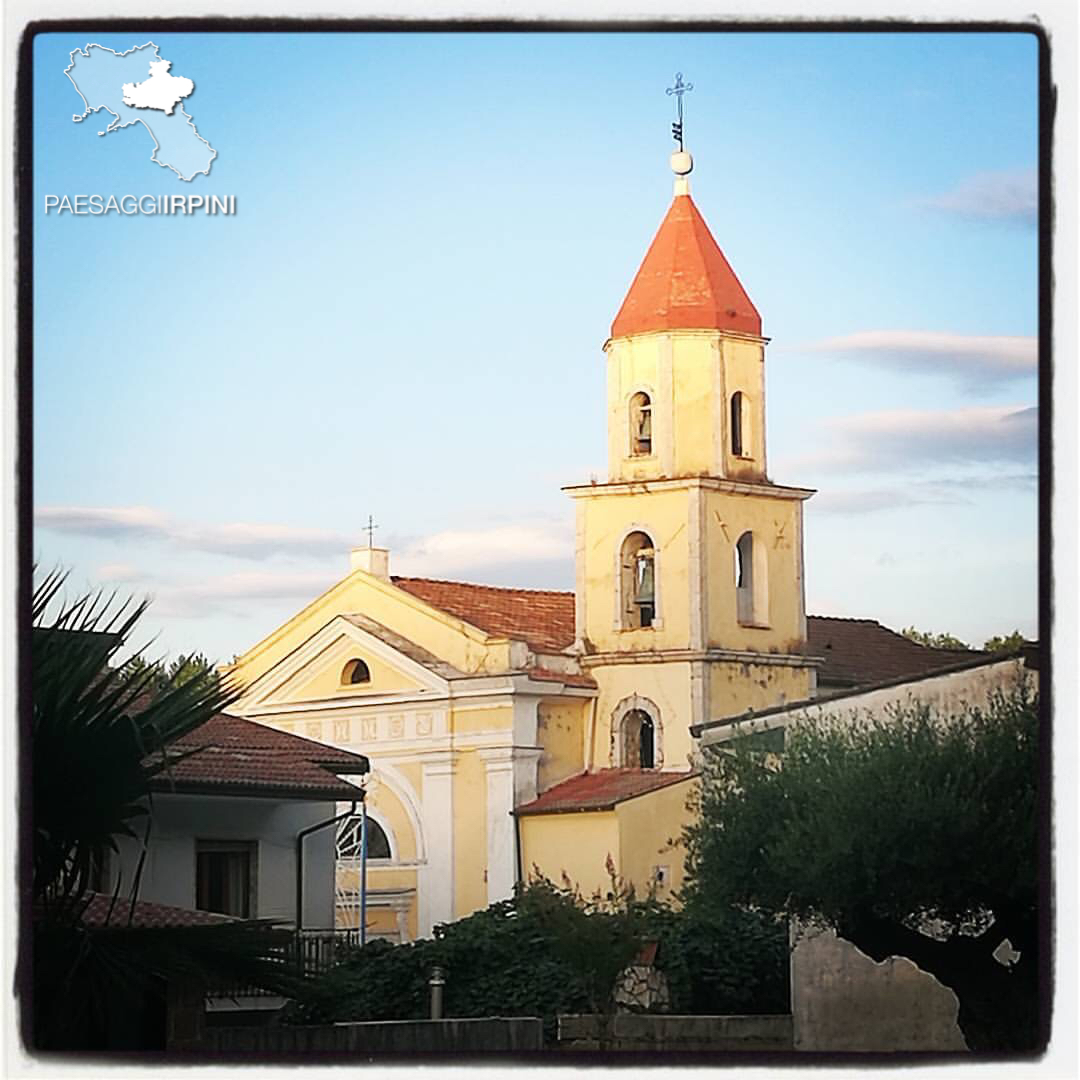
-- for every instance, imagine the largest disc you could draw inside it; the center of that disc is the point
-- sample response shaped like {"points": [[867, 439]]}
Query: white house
{"points": [[244, 824]]}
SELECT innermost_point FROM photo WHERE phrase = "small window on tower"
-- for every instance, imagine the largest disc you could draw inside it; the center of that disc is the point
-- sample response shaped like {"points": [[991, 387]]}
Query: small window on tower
{"points": [[751, 582], [737, 423], [638, 569], [640, 425], [638, 740]]}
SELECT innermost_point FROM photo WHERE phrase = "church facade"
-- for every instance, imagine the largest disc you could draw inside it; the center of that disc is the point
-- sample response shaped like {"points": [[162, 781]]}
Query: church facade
{"points": [[518, 731]]}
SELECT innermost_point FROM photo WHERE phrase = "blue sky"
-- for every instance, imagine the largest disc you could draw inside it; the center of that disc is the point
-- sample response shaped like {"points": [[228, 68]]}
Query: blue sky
{"points": [[434, 232]]}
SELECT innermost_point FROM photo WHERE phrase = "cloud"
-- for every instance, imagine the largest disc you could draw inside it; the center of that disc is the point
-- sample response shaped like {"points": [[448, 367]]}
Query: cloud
{"points": [[904, 439], [1008, 195], [941, 492], [237, 591], [117, 572], [538, 553], [122, 522], [241, 540], [976, 359], [869, 502], [528, 547], [261, 541]]}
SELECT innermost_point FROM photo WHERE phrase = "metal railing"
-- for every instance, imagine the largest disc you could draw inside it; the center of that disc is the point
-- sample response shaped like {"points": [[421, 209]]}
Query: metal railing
{"points": [[308, 953]]}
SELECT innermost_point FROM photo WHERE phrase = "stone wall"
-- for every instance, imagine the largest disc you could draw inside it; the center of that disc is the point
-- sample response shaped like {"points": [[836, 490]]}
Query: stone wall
{"points": [[841, 1000], [488, 1035], [645, 1033]]}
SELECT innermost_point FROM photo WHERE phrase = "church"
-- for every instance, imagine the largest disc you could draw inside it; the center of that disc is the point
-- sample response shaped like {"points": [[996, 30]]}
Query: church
{"points": [[512, 731]]}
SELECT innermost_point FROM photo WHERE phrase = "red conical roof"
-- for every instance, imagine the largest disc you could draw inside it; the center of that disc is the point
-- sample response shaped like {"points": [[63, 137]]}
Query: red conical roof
{"points": [[685, 283]]}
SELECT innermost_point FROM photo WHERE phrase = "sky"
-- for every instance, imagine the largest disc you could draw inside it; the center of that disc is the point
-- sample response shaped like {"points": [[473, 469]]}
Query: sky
{"points": [[405, 316]]}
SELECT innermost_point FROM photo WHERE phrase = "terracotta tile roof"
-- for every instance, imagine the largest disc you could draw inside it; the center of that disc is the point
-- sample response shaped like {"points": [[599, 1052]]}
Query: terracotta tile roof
{"points": [[856, 651], [237, 756], [600, 790], [862, 651], [547, 675], [543, 618], [685, 282], [147, 914]]}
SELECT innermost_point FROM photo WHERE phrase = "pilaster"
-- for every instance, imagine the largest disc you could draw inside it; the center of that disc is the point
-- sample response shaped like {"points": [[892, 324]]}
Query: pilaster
{"points": [[501, 842], [436, 875]]}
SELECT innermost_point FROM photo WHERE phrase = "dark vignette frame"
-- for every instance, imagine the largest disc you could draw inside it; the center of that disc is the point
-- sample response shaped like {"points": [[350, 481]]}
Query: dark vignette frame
{"points": [[1047, 102]]}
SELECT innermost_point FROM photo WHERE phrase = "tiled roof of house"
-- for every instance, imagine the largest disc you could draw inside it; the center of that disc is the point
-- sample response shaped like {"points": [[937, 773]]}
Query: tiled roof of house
{"points": [[862, 651], [147, 915], [543, 618], [600, 790], [685, 282], [237, 756]]}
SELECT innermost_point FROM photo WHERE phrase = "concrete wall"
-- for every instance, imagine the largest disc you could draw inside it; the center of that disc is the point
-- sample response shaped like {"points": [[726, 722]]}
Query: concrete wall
{"points": [[644, 1033], [489, 1035], [841, 1000], [946, 694], [180, 820]]}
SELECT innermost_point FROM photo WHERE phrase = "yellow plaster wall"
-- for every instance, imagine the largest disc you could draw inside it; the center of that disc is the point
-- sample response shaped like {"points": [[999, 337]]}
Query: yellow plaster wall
{"points": [[650, 832], [632, 366], [560, 730], [608, 518], [322, 677], [736, 687], [744, 370], [694, 406], [379, 877], [412, 771], [775, 523], [690, 376], [576, 844], [465, 720], [666, 685], [470, 834], [389, 807], [466, 648]]}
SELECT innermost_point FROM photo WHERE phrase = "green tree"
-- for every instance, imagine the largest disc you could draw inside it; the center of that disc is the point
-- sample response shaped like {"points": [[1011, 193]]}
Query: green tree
{"points": [[934, 641], [161, 675], [1005, 643], [98, 736], [549, 950], [911, 834]]}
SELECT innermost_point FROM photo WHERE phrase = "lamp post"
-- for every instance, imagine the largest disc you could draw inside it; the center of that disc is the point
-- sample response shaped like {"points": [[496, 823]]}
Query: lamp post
{"points": [[436, 982]]}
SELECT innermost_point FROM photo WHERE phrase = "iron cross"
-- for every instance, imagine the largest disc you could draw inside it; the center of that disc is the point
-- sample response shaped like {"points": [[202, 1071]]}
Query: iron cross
{"points": [[678, 90]]}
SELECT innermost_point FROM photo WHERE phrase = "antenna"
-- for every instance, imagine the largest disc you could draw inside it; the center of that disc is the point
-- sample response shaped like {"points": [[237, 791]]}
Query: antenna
{"points": [[678, 90], [370, 528]]}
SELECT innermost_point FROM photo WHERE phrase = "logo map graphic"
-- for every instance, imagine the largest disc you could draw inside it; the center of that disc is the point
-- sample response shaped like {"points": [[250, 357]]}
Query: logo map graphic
{"points": [[137, 87]]}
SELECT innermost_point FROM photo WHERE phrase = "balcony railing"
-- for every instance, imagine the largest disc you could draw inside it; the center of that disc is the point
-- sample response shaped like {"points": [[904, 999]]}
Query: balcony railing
{"points": [[309, 953]]}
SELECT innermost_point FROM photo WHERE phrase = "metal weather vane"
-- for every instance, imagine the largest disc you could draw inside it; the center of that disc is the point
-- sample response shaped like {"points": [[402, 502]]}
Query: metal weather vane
{"points": [[678, 90]]}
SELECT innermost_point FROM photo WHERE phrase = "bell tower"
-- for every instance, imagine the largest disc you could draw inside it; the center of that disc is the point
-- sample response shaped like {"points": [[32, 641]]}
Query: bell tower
{"points": [[689, 590]]}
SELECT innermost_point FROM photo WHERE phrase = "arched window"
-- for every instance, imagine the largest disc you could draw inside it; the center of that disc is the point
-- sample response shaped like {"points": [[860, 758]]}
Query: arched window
{"points": [[637, 562], [751, 582], [355, 671], [739, 434], [638, 734], [350, 838], [640, 425]]}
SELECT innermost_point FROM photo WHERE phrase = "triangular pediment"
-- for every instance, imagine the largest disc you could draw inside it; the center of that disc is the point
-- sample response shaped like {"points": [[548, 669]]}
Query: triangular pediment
{"points": [[318, 671]]}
